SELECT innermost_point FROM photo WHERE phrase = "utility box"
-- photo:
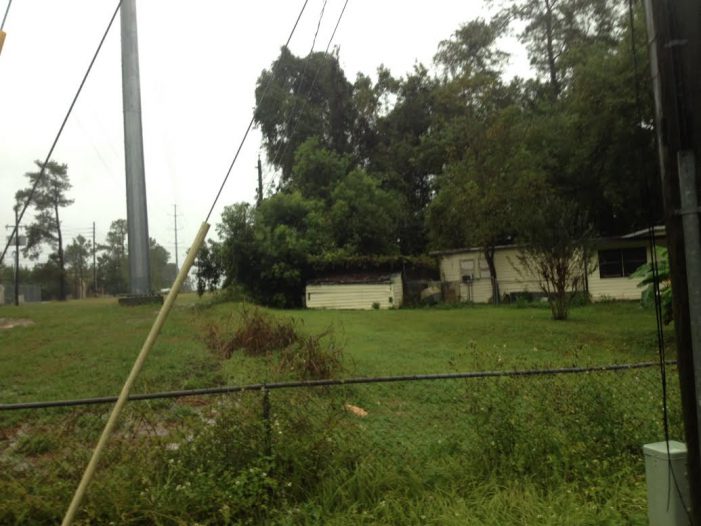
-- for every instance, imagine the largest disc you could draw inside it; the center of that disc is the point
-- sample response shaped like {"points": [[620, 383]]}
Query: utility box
{"points": [[667, 484]]}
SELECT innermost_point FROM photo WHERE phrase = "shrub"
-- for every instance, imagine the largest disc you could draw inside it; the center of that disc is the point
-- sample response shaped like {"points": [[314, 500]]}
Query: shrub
{"points": [[257, 334], [309, 357], [313, 357], [572, 429]]}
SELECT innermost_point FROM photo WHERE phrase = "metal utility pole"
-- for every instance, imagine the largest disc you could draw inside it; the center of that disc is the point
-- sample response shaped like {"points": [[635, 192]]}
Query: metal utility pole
{"points": [[137, 214], [94, 264], [260, 182], [674, 37], [175, 227]]}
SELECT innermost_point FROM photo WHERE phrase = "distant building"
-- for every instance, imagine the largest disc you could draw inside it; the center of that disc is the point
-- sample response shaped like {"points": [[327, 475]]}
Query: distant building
{"points": [[362, 291], [466, 277]]}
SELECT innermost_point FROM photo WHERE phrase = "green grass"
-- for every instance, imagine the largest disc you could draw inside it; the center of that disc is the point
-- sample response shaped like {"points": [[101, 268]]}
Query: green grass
{"points": [[476, 338], [563, 450], [86, 348]]}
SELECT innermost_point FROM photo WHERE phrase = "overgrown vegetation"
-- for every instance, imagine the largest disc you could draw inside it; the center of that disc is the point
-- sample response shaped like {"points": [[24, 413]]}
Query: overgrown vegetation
{"points": [[570, 445], [452, 154], [536, 450], [255, 333], [662, 277]]}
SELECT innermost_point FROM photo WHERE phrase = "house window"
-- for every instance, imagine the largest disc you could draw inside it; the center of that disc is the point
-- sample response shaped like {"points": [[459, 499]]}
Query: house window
{"points": [[620, 262]]}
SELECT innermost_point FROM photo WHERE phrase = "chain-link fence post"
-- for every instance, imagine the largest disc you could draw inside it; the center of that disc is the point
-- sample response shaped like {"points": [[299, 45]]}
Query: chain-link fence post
{"points": [[266, 422]]}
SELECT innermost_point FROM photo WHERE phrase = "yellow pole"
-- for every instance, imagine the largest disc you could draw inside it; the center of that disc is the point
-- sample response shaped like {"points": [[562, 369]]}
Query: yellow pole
{"points": [[2, 39], [136, 368]]}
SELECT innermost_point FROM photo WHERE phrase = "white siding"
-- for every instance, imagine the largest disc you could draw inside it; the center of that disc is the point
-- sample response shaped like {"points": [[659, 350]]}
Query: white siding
{"points": [[355, 295], [397, 290], [513, 277]]}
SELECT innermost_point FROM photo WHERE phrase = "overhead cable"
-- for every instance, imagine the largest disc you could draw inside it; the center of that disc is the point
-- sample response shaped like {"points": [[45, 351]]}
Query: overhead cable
{"points": [[250, 124], [297, 86], [311, 87], [63, 125], [652, 242], [4, 18]]}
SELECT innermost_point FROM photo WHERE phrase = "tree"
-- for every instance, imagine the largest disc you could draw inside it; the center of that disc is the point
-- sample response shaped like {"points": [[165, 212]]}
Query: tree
{"points": [[47, 276], [471, 49], [208, 269], [77, 260], [612, 160], [557, 32], [304, 97], [317, 170], [365, 218], [266, 250], [161, 278], [481, 126], [112, 265], [555, 247], [49, 196], [405, 157]]}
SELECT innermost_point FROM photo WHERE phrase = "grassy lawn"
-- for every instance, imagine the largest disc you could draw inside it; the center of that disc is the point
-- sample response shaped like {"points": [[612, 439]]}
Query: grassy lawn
{"points": [[86, 348], [499, 451]]}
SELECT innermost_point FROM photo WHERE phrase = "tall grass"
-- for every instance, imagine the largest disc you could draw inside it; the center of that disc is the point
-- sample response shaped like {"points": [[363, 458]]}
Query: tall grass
{"points": [[543, 450], [562, 450]]}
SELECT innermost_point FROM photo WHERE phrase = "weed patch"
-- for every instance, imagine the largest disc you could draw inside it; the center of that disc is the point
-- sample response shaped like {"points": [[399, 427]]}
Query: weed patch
{"points": [[292, 353], [256, 334]]}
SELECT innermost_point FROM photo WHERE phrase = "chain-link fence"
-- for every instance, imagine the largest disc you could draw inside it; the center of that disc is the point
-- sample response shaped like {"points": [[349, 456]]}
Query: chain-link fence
{"points": [[425, 449]]}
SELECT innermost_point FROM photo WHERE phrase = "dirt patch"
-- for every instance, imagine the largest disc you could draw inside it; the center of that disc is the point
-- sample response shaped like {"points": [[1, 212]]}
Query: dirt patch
{"points": [[9, 323]]}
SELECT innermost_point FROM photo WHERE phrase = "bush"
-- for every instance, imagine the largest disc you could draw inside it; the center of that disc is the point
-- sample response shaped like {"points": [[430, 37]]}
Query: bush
{"points": [[561, 433], [308, 357], [257, 334], [313, 357]]}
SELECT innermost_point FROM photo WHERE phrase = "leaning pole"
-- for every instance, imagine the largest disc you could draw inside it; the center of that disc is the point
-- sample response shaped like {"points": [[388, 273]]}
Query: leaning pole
{"points": [[137, 214]]}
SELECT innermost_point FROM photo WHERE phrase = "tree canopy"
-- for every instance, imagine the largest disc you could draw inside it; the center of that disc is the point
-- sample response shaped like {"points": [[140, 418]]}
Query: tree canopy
{"points": [[451, 154], [47, 189]]}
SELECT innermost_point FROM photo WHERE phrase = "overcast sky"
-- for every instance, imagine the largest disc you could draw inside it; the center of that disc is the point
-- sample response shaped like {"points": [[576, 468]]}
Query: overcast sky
{"points": [[199, 64]]}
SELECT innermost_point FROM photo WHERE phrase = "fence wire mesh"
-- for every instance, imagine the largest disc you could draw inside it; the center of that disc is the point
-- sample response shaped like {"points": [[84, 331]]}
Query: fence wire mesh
{"points": [[379, 452]]}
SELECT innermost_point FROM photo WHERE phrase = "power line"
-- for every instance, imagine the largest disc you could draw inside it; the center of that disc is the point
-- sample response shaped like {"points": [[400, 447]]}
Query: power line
{"points": [[298, 84], [250, 124], [65, 120], [316, 76], [4, 18], [318, 24]]}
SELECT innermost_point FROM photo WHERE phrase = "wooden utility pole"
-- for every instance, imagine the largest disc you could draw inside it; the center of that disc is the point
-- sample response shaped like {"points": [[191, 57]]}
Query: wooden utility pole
{"points": [[15, 229], [94, 263], [674, 32], [175, 228], [17, 256]]}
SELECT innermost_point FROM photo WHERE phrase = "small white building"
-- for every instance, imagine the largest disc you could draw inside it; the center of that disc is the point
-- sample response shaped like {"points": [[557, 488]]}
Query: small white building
{"points": [[355, 291], [608, 270]]}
